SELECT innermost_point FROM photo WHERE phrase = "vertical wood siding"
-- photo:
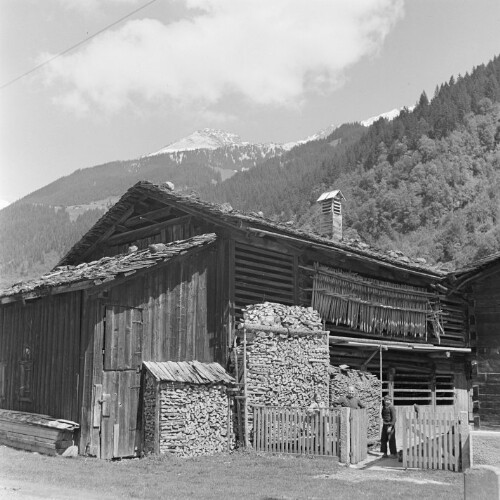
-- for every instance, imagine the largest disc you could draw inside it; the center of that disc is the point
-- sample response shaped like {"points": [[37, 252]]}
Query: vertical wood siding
{"points": [[50, 328], [176, 307]]}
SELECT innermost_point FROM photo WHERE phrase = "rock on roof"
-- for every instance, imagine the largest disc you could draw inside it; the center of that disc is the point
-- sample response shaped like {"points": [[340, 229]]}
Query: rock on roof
{"points": [[190, 372], [108, 268]]}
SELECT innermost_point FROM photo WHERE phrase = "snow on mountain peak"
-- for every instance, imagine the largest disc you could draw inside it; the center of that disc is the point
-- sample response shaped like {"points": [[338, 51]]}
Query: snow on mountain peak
{"points": [[321, 134], [388, 115], [206, 138], [212, 139]]}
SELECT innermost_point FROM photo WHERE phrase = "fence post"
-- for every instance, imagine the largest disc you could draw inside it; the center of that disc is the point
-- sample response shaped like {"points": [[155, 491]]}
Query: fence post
{"points": [[345, 435], [465, 440]]}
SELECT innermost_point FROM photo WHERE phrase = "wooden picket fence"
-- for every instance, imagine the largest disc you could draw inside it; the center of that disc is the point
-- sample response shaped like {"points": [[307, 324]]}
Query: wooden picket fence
{"points": [[358, 435], [295, 430], [436, 441]]}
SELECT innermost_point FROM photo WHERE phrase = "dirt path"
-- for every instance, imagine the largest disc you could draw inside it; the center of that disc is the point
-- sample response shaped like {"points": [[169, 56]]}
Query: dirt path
{"points": [[241, 475]]}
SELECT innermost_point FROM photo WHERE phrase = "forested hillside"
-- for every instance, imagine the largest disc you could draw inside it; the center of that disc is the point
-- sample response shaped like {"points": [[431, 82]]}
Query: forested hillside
{"points": [[34, 237], [426, 183]]}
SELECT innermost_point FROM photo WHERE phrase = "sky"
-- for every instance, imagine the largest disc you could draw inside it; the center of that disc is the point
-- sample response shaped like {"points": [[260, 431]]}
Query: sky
{"points": [[267, 70]]}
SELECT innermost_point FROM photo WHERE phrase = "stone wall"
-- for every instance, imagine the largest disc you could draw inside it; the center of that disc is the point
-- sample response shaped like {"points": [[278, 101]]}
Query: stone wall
{"points": [[287, 359], [368, 390], [193, 419]]}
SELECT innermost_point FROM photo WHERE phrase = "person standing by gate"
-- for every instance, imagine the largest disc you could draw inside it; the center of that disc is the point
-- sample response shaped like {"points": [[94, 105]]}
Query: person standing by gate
{"points": [[350, 400], [388, 428]]}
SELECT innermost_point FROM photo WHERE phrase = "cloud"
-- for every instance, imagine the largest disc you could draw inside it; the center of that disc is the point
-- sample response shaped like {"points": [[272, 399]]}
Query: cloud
{"points": [[92, 6], [268, 52]]}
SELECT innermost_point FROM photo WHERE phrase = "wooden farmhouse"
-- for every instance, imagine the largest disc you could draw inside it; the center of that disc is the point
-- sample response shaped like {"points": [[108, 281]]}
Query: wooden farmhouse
{"points": [[163, 277], [481, 285]]}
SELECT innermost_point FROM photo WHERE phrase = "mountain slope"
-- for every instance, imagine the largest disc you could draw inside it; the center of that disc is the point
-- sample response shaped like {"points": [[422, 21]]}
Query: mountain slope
{"points": [[426, 182], [55, 216]]}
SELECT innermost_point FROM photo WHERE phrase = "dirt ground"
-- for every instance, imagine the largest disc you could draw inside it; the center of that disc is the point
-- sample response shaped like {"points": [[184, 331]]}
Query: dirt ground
{"points": [[25, 475]]}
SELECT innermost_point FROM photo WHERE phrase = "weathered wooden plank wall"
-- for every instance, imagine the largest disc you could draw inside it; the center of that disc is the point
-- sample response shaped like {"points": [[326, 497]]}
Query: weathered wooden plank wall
{"points": [[176, 309], [486, 381], [39, 341]]}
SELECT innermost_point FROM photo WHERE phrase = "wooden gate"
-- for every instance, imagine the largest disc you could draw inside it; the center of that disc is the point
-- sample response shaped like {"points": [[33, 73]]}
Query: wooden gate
{"points": [[295, 430], [359, 435], [122, 358], [436, 441]]}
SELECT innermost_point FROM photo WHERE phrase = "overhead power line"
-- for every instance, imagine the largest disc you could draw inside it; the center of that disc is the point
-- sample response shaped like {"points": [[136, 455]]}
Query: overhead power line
{"points": [[76, 45]]}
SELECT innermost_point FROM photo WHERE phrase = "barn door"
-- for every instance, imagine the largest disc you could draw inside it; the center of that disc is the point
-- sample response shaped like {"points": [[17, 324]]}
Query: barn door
{"points": [[122, 357]]}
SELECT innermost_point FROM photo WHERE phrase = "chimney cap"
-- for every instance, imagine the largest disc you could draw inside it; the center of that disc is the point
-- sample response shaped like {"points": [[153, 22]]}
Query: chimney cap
{"points": [[330, 195]]}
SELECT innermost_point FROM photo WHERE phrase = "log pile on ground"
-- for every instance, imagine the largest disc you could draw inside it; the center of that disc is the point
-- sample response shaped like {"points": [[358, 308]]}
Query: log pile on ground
{"points": [[368, 390], [287, 357]]}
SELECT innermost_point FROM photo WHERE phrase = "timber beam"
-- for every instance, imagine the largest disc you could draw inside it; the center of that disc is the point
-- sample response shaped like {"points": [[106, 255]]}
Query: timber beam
{"points": [[150, 216], [143, 232], [364, 342]]}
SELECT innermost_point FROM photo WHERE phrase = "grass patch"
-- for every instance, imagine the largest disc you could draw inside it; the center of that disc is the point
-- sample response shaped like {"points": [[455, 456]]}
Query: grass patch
{"points": [[244, 475]]}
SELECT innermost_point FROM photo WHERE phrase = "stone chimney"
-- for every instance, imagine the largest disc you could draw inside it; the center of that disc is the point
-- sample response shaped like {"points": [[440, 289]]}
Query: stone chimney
{"points": [[331, 214]]}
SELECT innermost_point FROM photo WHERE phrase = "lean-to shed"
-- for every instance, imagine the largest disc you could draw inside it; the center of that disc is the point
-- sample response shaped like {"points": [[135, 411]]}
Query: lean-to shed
{"points": [[187, 408]]}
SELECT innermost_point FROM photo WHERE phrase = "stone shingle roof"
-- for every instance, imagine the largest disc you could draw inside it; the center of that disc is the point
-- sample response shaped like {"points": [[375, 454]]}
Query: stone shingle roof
{"points": [[108, 268], [225, 215]]}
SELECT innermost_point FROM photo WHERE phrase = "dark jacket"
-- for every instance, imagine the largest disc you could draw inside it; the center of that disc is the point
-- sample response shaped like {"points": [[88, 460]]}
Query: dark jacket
{"points": [[353, 402], [388, 414]]}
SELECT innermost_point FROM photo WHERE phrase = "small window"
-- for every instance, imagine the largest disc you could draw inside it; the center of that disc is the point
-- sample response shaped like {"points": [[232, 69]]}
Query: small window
{"points": [[26, 375]]}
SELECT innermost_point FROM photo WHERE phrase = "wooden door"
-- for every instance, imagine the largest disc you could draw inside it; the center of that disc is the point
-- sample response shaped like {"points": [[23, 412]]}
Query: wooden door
{"points": [[122, 358]]}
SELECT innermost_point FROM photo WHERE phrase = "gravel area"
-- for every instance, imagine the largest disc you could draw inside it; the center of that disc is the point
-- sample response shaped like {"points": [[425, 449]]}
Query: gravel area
{"points": [[486, 448]]}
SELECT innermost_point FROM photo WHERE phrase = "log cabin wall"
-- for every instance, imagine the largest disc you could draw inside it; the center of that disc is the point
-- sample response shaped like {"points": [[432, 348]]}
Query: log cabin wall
{"points": [[426, 379], [432, 379], [485, 324], [263, 273], [353, 273], [39, 356]]}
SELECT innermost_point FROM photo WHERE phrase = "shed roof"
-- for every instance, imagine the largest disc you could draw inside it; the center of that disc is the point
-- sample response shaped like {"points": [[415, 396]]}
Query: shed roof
{"points": [[225, 216], [330, 194], [104, 270], [190, 372], [476, 270]]}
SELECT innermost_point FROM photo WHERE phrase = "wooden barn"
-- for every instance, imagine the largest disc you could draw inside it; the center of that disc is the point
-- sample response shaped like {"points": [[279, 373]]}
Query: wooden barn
{"points": [[164, 277], [480, 284]]}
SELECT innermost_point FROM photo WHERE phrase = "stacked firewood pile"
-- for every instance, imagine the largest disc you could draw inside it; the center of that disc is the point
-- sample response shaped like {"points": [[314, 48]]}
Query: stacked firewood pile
{"points": [[193, 419], [368, 390], [287, 356], [286, 317], [149, 408]]}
